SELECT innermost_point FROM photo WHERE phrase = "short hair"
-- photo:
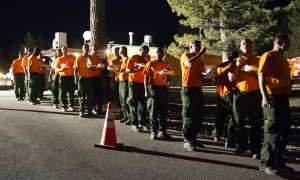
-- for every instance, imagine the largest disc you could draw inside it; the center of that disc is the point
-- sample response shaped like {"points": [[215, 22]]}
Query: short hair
{"points": [[123, 48], [281, 37], [144, 48], [37, 49], [246, 39], [159, 48], [195, 42], [58, 50]]}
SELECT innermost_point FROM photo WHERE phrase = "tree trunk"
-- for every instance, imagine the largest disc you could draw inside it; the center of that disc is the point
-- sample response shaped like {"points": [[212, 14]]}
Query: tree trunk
{"points": [[224, 40], [98, 23]]}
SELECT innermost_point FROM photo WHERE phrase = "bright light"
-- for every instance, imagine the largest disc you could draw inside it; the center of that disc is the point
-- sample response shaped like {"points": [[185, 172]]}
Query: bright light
{"points": [[87, 35], [108, 51], [76, 55]]}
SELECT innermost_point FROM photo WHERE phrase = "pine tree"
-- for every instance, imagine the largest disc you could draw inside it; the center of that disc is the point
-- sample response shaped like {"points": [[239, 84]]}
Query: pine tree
{"points": [[29, 41], [42, 42], [225, 23], [294, 26]]}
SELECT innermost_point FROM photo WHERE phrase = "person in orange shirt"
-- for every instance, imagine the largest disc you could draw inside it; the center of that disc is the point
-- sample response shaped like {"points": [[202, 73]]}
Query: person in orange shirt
{"points": [[114, 81], [275, 86], [99, 92], [191, 95], [65, 68], [123, 87], [19, 78], [33, 68], [84, 68], [246, 99], [225, 90], [25, 67], [136, 96], [54, 78], [157, 93], [41, 78]]}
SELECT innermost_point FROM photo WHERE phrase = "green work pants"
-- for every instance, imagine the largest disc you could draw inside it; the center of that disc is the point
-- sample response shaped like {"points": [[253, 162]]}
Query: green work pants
{"points": [[55, 87], [86, 88], [33, 87], [19, 85], [276, 132], [41, 84], [99, 93], [248, 104], [137, 103], [115, 94], [66, 85], [158, 107], [224, 114], [27, 86], [123, 94], [192, 112]]}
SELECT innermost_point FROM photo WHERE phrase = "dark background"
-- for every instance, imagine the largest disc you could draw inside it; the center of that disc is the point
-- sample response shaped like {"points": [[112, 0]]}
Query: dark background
{"points": [[143, 17], [153, 17]]}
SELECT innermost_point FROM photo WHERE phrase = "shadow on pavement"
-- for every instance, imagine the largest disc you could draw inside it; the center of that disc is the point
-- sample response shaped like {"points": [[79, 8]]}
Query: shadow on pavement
{"points": [[176, 156], [49, 112]]}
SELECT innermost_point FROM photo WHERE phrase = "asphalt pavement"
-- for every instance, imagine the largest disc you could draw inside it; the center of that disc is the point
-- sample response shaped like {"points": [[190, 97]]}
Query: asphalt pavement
{"points": [[41, 142]]}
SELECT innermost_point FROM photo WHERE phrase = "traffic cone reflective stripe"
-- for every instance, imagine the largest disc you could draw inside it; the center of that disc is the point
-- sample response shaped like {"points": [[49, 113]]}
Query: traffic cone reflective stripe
{"points": [[109, 138]]}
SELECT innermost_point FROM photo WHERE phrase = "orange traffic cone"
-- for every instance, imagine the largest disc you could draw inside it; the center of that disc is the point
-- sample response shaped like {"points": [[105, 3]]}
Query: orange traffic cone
{"points": [[109, 138]]}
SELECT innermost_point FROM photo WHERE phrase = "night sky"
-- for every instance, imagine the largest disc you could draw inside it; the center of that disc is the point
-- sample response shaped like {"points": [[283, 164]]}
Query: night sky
{"points": [[143, 17]]}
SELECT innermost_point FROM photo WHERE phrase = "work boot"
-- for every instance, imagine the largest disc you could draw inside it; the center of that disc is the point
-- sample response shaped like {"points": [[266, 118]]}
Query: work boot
{"points": [[143, 127], [163, 135], [256, 156], [94, 111], [216, 138], [153, 136], [123, 120], [270, 170], [189, 146], [135, 128], [71, 109], [127, 122], [230, 145]]}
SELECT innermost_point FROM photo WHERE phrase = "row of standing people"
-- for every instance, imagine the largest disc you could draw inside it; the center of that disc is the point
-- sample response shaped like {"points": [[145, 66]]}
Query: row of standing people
{"points": [[241, 89], [30, 85], [258, 89], [135, 81]]}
